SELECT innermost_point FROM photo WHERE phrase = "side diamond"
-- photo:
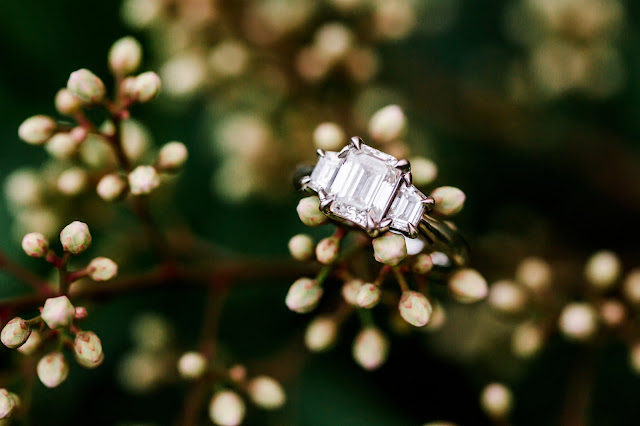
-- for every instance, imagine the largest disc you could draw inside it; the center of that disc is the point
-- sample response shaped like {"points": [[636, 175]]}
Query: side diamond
{"points": [[406, 208], [325, 171]]}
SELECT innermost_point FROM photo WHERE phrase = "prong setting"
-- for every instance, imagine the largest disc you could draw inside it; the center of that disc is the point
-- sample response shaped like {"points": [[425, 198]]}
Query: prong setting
{"points": [[356, 142], [403, 165], [321, 152]]}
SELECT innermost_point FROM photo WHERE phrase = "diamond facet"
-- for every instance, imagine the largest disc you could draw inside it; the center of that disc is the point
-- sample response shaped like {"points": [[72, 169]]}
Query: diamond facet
{"points": [[324, 172], [406, 208]]}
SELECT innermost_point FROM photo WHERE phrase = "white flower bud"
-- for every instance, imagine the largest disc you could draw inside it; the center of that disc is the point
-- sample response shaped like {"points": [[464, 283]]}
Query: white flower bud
{"points": [[7, 404], [468, 286], [578, 321], [527, 340], [146, 86], [506, 297], [266, 393], [192, 365], [125, 56], [172, 157], [143, 180], [52, 369], [602, 270], [631, 286], [86, 86], [449, 200], [496, 400], [87, 348], [81, 313], [15, 333], [58, 312], [350, 291], [78, 134], [321, 334], [415, 308], [32, 344], [634, 357], [329, 136], [23, 188], [371, 348], [226, 408], [309, 212], [333, 41], [390, 249], [75, 237], [423, 171], [422, 263], [303, 295], [229, 58], [613, 312], [67, 103], [35, 244], [72, 181], [368, 296], [36, 130], [387, 124], [102, 269], [111, 187], [301, 247], [534, 273], [327, 250], [61, 146]]}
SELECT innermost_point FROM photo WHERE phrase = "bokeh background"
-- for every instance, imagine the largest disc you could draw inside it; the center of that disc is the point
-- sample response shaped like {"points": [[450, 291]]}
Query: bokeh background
{"points": [[532, 111]]}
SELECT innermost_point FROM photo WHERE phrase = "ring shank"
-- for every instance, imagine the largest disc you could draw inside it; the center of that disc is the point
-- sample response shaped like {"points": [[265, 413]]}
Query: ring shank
{"points": [[445, 239]]}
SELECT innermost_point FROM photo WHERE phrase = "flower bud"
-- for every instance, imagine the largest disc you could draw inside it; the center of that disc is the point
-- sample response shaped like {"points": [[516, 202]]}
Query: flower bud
{"points": [[143, 180], [172, 157], [61, 146], [534, 273], [192, 365], [35, 244], [72, 181], [81, 313], [88, 349], [327, 250], [468, 286], [329, 136], [350, 291], [8, 403], [506, 297], [226, 408], [36, 130], [332, 41], [496, 400], [32, 344], [24, 188], [578, 321], [613, 312], [58, 312], [422, 264], [303, 295], [67, 103], [52, 369], [75, 237], [449, 200], [78, 134], [111, 187], [309, 211], [125, 56], [266, 393], [301, 247], [387, 124], [102, 269], [86, 86], [423, 171], [370, 349], [437, 319], [415, 308], [15, 333], [321, 334], [368, 296], [238, 373], [631, 287], [146, 86], [602, 270], [527, 340], [390, 249]]}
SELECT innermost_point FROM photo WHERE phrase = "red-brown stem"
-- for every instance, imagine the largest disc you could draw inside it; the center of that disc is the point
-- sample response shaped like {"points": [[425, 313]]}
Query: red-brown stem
{"points": [[63, 283], [76, 275]]}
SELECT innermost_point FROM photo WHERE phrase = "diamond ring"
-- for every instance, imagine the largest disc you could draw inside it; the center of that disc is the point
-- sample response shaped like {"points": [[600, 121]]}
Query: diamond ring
{"points": [[365, 187]]}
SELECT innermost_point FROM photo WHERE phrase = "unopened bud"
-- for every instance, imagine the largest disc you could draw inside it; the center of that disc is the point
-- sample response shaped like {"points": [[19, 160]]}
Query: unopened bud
{"points": [[111, 187], [578, 321], [75, 237], [143, 180], [449, 200], [102, 269], [146, 86], [301, 247], [613, 312], [238, 373], [15, 333], [423, 171], [125, 56], [309, 211], [72, 181], [62, 146], [303, 295], [32, 344], [329, 136], [333, 41], [67, 103], [35, 244], [422, 263], [415, 308], [468, 286], [86, 86], [387, 124], [390, 249], [370, 348], [631, 287], [266, 393], [81, 313], [321, 334], [527, 340], [192, 365], [172, 157], [602, 269], [88, 349], [534, 273], [8, 402], [496, 400], [368, 296], [37, 130], [58, 312], [506, 297], [350, 291], [78, 134], [52, 369], [226, 408], [327, 250]]}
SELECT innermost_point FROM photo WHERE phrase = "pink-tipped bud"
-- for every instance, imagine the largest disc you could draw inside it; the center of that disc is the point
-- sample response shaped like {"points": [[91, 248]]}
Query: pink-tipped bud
{"points": [[37, 130], [327, 250], [72, 181], [309, 212], [496, 400], [534, 273], [102, 269], [86, 86], [266, 393], [449, 200], [172, 157], [81, 313], [613, 313], [143, 180], [422, 263], [368, 296], [62, 146], [301, 247], [87, 348], [370, 348], [603, 269], [32, 344], [58, 312], [75, 237], [111, 187], [329, 136], [226, 408], [146, 86], [387, 124], [52, 369], [390, 249], [350, 291], [578, 321], [506, 297], [527, 340], [321, 334], [238, 373], [67, 103], [423, 171], [125, 56], [468, 286], [631, 287], [9, 401], [192, 365], [35, 244], [415, 308], [15, 333], [303, 295]]}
